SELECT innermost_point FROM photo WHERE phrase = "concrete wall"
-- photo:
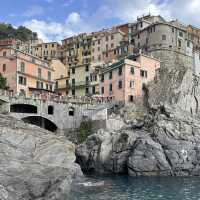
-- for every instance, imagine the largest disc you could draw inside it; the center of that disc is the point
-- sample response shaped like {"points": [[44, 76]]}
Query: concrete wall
{"points": [[61, 117]]}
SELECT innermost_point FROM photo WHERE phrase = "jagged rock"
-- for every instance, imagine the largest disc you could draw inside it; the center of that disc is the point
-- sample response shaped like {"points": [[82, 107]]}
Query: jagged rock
{"points": [[34, 164], [167, 144]]}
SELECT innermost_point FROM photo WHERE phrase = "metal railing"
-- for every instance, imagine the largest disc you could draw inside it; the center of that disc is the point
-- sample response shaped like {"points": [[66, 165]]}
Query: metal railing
{"points": [[60, 99]]}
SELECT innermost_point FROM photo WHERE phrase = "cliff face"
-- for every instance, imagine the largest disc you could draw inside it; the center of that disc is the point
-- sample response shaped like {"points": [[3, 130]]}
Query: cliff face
{"points": [[167, 144], [34, 163], [176, 84]]}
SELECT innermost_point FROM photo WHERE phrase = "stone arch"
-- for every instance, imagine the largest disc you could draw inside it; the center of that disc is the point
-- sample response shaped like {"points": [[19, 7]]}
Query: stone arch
{"points": [[23, 108], [41, 122]]}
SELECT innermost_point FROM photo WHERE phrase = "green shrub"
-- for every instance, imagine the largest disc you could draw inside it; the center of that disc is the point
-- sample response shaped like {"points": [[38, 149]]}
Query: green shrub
{"points": [[84, 131]]}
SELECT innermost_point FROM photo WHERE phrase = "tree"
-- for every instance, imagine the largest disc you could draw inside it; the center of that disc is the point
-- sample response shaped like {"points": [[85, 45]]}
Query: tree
{"points": [[3, 82]]}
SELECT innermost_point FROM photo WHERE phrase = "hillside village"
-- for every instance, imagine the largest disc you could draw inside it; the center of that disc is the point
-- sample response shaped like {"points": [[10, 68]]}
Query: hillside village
{"points": [[112, 63]]}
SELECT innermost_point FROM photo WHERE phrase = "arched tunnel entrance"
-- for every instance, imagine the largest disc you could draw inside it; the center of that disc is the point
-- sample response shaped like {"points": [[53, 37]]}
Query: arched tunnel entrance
{"points": [[41, 122]]}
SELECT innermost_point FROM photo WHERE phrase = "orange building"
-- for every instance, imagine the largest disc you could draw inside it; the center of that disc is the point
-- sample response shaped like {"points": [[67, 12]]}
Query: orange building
{"points": [[25, 73], [123, 80]]}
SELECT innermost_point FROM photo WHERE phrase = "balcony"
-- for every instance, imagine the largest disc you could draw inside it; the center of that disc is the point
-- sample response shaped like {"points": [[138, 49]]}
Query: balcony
{"points": [[80, 84]]}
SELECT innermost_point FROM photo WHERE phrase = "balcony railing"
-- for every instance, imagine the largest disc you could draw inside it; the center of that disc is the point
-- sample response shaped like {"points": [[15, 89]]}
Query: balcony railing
{"points": [[79, 84]]}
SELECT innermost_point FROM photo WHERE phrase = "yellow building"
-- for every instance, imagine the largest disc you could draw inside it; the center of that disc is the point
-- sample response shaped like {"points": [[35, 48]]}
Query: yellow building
{"points": [[61, 77]]}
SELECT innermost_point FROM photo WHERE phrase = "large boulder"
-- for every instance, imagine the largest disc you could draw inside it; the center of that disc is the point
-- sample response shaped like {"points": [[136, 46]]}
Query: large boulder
{"points": [[34, 164], [168, 143]]}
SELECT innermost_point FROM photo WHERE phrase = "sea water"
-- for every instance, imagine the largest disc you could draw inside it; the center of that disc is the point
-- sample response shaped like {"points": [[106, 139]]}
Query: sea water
{"points": [[140, 188]]}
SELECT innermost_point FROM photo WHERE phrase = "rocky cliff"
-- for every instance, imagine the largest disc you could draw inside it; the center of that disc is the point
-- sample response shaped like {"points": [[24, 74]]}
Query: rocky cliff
{"points": [[168, 143], [34, 164]]}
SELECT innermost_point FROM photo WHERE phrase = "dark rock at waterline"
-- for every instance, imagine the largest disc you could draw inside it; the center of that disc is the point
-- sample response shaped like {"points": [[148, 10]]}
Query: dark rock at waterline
{"points": [[34, 164], [167, 144]]}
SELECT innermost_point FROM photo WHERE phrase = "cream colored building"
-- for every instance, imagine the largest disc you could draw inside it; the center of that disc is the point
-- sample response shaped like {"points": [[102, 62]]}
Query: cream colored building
{"points": [[46, 51]]}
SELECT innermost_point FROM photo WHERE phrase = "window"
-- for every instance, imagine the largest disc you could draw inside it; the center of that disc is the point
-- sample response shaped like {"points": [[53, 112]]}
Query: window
{"points": [[98, 48], [179, 43], [51, 87], [164, 37], [4, 54], [71, 111], [22, 67], [73, 71], [50, 110], [33, 60], [112, 45], [102, 78], [87, 68], [102, 90], [180, 34], [120, 84], [143, 73], [110, 88], [172, 30], [86, 90], [99, 41], [52, 45], [131, 98], [22, 80], [106, 46], [47, 86], [132, 70], [106, 38], [49, 76], [141, 24], [73, 82], [147, 40], [4, 67], [120, 71], [112, 37], [93, 90], [110, 75], [132, 84], [73, 92], [39, 72], [87, 80], [56, 85], [188, 43], [46, 46]]}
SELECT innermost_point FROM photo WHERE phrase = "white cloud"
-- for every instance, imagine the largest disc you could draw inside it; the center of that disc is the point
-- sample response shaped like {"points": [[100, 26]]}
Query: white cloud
{"points": [[115, 10], [34, 10], [54, 31], [128, 10]]}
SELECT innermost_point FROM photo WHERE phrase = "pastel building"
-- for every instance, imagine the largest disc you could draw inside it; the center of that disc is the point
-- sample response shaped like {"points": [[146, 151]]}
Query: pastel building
{"points": [[123, 80], [24, 72]]}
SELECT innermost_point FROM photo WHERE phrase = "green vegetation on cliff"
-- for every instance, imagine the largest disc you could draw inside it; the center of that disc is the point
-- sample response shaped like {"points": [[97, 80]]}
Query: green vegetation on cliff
{"points": [[21, 33]]}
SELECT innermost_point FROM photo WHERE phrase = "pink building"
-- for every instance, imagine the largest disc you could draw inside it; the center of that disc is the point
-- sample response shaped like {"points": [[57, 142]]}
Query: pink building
{"points": [[123, 80], [25, 73]]}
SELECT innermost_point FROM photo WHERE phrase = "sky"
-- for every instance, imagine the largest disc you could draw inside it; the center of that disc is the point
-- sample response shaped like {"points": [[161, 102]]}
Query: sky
{"points": [[55, 20]]}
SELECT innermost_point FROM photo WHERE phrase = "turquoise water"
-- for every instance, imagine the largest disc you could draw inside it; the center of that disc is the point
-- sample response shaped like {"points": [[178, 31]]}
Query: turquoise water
{"points": [[143, 188]]}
